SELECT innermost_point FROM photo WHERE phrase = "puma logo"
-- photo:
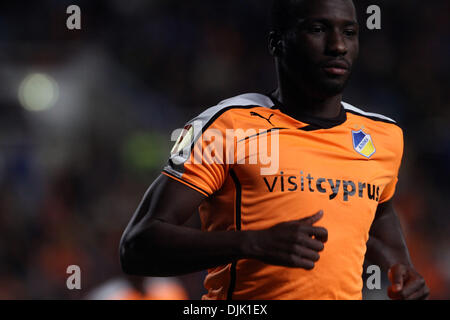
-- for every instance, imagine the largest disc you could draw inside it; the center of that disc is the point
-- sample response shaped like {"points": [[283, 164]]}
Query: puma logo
{"points": [[267, 119]]}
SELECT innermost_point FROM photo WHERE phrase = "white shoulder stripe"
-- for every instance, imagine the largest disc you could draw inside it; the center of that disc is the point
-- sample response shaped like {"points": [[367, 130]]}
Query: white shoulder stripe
{"points": [[368, 114], [243, 100], [249, 99]]}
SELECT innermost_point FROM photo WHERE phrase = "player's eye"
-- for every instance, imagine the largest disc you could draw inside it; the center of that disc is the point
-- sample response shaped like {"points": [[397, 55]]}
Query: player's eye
{"points": [[350, 32], [316, 29]]}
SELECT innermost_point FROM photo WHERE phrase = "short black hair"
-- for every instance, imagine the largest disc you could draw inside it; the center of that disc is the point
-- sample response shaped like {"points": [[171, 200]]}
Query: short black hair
{"points": [[282, 14]]}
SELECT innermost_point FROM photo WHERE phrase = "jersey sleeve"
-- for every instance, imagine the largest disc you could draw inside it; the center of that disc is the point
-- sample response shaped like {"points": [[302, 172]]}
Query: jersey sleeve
{"points": [[199, 156], [389, 189]]}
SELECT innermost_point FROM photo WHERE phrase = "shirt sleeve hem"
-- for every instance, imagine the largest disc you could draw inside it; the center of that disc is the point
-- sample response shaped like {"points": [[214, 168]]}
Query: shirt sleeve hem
{"points": [[386, 200], [190, 185]]}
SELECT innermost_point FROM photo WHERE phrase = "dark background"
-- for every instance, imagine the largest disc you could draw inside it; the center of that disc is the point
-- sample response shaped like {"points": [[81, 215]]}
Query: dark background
{"points": [[72, 174]]}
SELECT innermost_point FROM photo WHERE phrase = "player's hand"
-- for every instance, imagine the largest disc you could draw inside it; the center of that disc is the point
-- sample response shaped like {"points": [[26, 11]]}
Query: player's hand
{"points": [[292, 244], [406, 283]]}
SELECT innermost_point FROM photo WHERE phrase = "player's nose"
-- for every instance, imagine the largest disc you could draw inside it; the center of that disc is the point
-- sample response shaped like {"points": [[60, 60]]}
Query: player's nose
{"points": [[336, 45]]}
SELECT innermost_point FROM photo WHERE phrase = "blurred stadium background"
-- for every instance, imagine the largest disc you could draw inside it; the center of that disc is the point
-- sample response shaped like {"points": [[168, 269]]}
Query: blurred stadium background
{"points": [[86, 118]]}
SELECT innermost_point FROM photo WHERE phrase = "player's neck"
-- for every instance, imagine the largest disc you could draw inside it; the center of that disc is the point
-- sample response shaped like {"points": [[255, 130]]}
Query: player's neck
{"points": [[297, 104]]}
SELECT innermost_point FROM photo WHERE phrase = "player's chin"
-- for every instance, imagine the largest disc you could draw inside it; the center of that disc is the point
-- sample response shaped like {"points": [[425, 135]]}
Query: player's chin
{"points": [[327, 82], [330, 86]]}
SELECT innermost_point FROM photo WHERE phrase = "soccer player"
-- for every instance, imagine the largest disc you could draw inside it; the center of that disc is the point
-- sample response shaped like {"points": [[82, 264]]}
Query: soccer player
{"points": [[303, 231]]}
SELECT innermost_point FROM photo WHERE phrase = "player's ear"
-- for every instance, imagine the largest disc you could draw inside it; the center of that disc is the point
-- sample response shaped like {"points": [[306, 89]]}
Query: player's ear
{"points": [[275, 44]]}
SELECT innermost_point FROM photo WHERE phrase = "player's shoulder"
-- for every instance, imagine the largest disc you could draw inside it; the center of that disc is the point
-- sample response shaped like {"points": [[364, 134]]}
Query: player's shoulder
{"points": [[387, 129], [374, 118], [226, 109], [246, 100]]}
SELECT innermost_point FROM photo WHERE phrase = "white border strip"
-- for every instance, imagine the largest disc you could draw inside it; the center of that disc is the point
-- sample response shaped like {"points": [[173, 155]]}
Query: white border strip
{"points": [[368, 114]]}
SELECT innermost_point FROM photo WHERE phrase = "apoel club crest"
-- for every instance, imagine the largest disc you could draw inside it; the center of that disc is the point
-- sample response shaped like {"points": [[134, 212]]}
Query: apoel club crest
{"points": [[363, 143]]}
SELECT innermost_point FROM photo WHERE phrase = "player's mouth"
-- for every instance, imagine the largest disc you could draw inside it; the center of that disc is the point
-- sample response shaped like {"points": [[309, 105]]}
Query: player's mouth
{"points": [[336, 68]]}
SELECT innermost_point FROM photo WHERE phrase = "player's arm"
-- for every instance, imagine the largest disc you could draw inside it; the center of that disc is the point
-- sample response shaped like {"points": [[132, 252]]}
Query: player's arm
{"points": [[155, 243], [387, 248]]}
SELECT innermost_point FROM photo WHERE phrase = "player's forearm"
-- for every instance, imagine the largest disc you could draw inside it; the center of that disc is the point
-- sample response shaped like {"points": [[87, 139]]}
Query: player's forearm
{"points": [[387, 245], [162, 249], [385, 255]]}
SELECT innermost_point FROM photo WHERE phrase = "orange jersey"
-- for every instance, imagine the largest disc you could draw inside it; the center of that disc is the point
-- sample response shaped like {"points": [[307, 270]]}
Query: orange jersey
{"points": [[344, 166]]}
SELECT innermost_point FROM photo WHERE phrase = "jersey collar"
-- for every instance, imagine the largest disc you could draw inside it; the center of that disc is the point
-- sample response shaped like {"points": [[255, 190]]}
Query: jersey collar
{"points": [[314, 123]]}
